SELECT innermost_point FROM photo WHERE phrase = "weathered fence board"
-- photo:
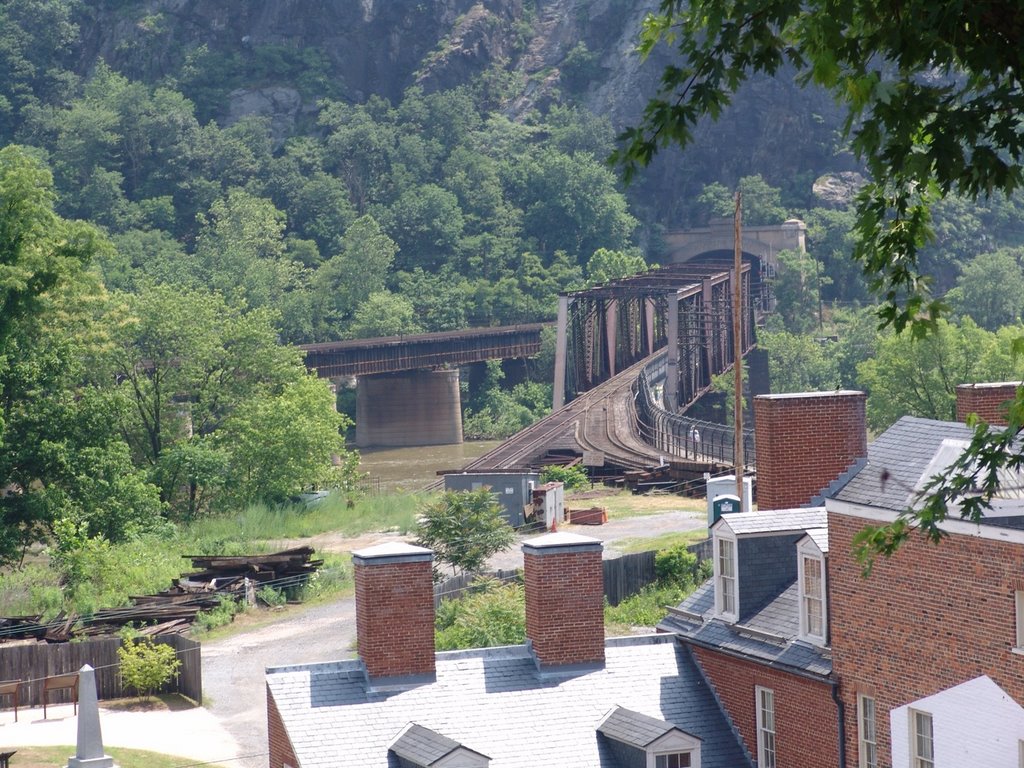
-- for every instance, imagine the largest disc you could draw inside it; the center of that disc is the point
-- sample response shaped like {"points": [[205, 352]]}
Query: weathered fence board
{"points": [[627, 575], [455, 587], [33, 663]]}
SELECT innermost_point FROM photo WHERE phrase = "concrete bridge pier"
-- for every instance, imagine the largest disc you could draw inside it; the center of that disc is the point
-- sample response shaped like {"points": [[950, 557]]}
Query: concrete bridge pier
{"points": [[419, 407]]}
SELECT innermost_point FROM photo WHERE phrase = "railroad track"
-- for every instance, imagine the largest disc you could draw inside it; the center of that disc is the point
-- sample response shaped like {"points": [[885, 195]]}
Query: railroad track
{"points": [[600, 420]]}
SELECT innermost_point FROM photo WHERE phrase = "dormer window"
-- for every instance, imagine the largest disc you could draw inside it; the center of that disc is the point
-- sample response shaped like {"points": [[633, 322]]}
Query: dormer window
{"points": [[811, 578], [726, 588], [640, 740]]}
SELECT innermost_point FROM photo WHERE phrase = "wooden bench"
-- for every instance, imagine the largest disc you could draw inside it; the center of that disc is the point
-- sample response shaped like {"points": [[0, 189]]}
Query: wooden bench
{"points": [[5, 758], [11, 688], [61, 683]]}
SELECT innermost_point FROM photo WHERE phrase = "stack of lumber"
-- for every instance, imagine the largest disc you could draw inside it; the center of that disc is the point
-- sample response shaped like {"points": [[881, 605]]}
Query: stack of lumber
{"points": [[174, 610]]}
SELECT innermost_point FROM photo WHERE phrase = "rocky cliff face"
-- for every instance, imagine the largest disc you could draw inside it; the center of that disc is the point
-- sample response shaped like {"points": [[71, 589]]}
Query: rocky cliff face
{"points": [[280, 56]]}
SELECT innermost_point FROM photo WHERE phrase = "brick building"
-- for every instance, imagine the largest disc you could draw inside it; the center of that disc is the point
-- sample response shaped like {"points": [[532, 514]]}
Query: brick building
{"points": [[759, 631], [567, 697], [928, 651], [921, 665]]}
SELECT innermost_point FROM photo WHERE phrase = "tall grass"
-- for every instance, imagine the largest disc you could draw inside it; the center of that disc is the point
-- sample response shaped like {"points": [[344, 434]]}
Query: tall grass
{"points": [[260, 523], [108, 574]]}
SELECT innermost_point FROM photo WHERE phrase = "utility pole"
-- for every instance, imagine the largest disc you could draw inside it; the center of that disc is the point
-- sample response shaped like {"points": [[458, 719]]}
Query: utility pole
{"points": [[737, 350]]}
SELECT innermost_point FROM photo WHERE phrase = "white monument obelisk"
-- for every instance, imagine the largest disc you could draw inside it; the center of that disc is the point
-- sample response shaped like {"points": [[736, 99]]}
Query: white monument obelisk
{"points": [[89, 751]]}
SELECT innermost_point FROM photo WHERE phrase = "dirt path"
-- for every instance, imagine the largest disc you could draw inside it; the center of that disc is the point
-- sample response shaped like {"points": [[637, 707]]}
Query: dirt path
{"points": [[233, 668]]}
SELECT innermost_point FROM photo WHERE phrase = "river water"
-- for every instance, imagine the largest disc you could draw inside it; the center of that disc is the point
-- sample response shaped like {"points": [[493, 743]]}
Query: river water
{"points": [[411, 469]]}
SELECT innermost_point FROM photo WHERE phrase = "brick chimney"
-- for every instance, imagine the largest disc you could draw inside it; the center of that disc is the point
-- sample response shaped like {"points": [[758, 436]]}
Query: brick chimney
{"points": [[395, 613], [805, 441], [989, 401], [564, 601]]}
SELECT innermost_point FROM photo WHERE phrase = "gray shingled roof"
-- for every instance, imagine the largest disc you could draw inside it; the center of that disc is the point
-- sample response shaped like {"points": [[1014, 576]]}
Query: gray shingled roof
{"points": [[776, 520], [423, 746], [778, 618], [896, 460], [633, 728], [494, 701]]}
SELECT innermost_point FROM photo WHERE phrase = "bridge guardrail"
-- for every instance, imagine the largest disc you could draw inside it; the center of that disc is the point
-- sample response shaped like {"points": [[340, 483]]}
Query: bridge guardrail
{"points": [[679, 435]]}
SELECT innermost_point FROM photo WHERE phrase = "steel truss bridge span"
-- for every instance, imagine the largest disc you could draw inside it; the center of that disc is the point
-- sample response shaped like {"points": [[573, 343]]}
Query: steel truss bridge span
{"points": [[684, 308], [391, 354]]}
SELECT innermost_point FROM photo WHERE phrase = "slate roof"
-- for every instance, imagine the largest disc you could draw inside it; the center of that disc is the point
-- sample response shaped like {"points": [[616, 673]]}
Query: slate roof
{"points": [[423, 746], [896, 461], [633, 728], [773, 638], [776, 520], [493, 701]]}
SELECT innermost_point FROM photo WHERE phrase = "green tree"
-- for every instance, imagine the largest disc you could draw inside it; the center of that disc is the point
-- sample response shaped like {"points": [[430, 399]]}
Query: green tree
{"points": [[384, 314], [932, 103], [351, 276], [606, 265], [797, 291], [919, 377], [464, 528], [761, 202], [798, 362], [283, 443], [990, 289], [187, 362], [56, 447]]}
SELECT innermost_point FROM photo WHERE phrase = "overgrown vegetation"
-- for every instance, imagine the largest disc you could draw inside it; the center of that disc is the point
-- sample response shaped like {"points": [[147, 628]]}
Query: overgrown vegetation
{"points": [[573, 478], [102, 574], [491, 614], [678, 571]]}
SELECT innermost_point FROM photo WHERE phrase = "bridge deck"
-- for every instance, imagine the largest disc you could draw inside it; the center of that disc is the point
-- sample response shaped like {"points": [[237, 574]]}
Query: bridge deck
{"points": [[364, 357], [600, 420]]}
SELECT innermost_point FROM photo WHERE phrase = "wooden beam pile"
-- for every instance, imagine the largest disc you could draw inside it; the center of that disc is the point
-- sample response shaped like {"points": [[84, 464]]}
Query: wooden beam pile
{"points": [[174, 610]]}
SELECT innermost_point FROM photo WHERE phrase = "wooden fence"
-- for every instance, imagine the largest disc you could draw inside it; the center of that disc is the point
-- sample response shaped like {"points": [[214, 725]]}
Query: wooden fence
{"points": [[32, 663], [455, 587], [627, 575]]}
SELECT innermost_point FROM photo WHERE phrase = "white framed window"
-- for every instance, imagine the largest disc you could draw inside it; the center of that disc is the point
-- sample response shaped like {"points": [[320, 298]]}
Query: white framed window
{"points": [[726, 581], [1018, 600], [867, 739], [766, 755], [676, 749], [922, 740], [812, 597], [674, 760]]}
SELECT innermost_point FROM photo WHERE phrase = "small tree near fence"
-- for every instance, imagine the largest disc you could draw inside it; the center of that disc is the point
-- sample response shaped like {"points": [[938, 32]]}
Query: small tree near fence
{"points": [[464, 528], [145, 665]]}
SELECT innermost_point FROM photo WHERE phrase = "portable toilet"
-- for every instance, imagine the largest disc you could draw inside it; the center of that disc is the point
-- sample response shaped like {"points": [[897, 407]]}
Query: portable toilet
{"points": [[726, 484], [724, 504]]}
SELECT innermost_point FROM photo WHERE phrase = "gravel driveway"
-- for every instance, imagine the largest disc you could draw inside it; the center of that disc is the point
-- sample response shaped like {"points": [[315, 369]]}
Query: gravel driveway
{"points": [[233, 669]]}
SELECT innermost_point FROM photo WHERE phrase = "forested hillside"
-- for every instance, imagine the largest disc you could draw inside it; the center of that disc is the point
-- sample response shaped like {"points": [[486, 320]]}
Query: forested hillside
{"points": [[188, 187]]}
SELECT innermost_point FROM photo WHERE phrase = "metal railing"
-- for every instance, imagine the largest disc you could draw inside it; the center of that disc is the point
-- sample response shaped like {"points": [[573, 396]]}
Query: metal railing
{"points": [[678, 435]]}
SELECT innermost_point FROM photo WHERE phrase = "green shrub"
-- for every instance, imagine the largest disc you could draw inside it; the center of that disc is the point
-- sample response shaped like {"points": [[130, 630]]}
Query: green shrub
{"points": [[145, 665], [492, 614], [573, 478], [647, 607], [677, 565], [220, 616], [271, 597]]}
